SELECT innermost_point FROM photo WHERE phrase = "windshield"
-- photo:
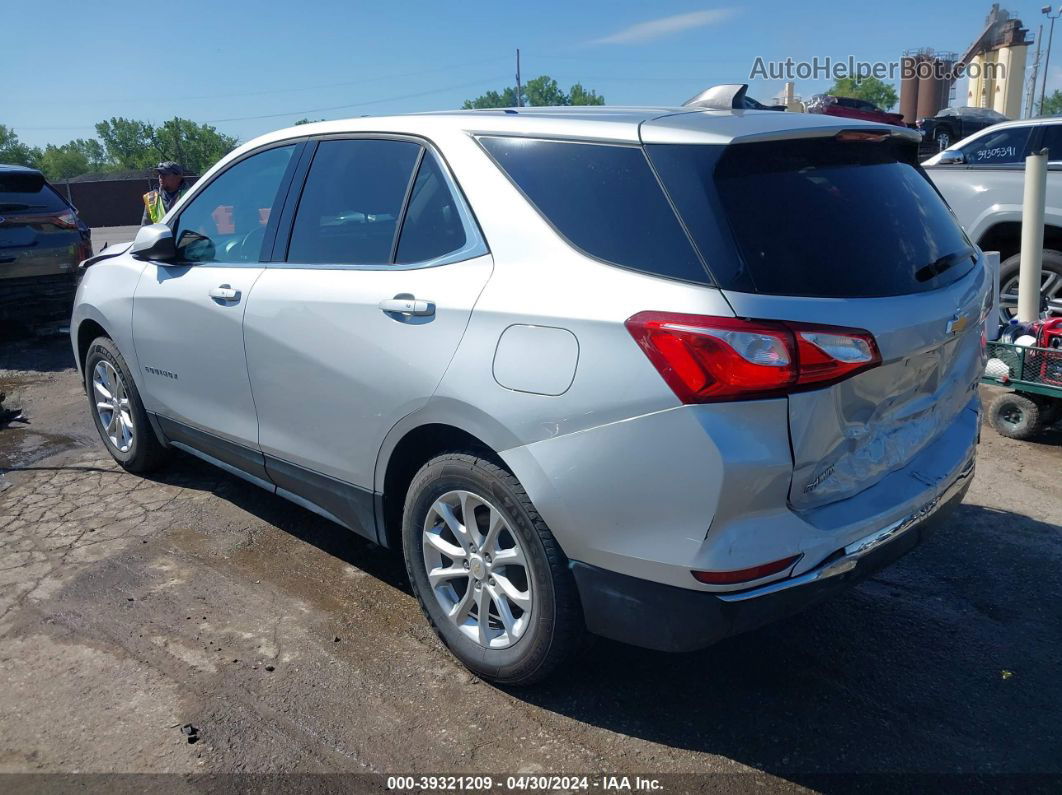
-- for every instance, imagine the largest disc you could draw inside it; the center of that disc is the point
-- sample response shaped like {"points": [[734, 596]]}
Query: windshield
{"points": [[815, 217]]}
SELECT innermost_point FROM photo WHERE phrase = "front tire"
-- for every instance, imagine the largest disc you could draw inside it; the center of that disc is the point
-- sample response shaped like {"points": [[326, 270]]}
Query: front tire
{"points": [[118, 411], [488, 574]]}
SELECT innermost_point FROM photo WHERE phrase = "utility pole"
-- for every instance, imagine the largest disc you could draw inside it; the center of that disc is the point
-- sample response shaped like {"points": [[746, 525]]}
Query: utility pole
{"points": [[519, 88], [1047, 59], [177, 141], [1035, 74]]}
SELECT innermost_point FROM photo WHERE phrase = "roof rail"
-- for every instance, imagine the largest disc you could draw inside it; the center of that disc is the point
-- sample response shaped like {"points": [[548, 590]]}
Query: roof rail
{"points": [[724, 97]]}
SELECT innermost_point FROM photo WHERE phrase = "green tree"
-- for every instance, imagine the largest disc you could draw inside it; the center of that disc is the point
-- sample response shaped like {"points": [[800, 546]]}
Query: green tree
{"points": [[195, 146], [580, 96], [129, 143], [72, 159], [869, 88], [542, 90], [492, 99], [1052, 104], [306, 121], [16, 153]]}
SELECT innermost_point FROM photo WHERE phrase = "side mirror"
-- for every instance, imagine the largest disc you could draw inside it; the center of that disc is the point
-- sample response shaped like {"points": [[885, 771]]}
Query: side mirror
{"points": [[154, 242], [951, 157]]}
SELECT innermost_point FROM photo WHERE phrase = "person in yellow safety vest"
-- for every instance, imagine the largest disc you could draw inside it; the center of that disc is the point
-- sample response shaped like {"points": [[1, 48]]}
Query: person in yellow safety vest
{"points": [[171, 187]]}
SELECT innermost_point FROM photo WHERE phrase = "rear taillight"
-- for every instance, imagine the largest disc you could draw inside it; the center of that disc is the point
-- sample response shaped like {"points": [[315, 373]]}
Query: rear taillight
{"points": [[67, 220], [708, 359]]}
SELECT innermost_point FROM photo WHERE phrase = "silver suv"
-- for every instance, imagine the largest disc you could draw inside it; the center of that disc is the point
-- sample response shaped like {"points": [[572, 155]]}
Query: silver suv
{"points": [[657, 374]]}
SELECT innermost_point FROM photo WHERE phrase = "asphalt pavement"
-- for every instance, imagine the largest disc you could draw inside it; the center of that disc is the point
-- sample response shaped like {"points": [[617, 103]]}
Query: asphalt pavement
{"points": [[109, 235], [131, 608]]}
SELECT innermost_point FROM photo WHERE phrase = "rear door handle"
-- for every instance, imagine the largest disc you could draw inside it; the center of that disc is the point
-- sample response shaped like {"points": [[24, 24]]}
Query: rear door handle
{"points": [[407, 306], [225, 292]]}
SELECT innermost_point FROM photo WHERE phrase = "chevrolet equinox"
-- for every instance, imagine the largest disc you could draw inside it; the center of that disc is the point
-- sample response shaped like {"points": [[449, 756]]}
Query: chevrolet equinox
{"points": [[657, 374]]}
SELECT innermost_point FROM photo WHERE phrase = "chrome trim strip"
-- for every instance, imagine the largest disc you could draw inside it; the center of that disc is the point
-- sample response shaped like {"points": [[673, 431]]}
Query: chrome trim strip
{"points": [[857, 550]]}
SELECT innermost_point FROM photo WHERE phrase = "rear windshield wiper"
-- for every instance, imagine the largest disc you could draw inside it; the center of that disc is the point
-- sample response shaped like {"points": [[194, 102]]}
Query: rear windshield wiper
{"points": [[12, 206], [938, 266]]}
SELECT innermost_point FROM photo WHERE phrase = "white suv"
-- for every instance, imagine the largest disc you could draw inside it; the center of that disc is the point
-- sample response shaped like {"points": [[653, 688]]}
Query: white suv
{"points": [[662, 374]]}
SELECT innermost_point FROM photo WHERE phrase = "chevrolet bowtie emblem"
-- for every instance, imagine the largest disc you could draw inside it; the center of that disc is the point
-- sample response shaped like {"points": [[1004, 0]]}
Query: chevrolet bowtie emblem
{"points": [[956, 324]]}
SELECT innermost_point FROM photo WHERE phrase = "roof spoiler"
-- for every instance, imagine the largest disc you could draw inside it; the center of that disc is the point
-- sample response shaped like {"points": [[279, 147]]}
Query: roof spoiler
{"points": [[725, 97]]}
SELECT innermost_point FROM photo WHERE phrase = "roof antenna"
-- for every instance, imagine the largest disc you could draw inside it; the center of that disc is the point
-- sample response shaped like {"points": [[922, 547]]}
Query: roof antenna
{"points": [[725, 97]]}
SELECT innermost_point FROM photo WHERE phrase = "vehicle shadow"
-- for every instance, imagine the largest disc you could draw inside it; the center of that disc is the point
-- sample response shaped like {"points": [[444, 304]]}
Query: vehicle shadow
{"points": [[947, 662], [189, 472], [20, 350]]}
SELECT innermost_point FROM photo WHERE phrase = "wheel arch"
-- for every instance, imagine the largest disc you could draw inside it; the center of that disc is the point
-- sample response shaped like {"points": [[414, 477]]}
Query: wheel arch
{"points": [[1005, 237], [87, 330], [444, 425]]}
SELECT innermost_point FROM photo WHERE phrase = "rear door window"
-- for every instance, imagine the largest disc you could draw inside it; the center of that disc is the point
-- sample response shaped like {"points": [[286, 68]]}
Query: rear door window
{"points": [[604, 199], [815, 217], [352, 202], [1009, 145]]}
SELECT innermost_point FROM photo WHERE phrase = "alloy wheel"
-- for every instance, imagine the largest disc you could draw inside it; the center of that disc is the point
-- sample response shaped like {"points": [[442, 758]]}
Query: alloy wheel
{"points": [[1050, 290], [112, 406], [477, 570]]}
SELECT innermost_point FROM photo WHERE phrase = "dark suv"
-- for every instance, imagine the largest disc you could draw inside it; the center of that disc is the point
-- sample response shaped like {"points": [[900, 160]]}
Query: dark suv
{"points": [[954, 124], [42, 240]]}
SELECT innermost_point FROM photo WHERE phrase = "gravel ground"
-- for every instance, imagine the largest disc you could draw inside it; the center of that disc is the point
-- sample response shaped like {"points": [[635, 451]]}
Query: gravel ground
{"points": [[131, 607]]}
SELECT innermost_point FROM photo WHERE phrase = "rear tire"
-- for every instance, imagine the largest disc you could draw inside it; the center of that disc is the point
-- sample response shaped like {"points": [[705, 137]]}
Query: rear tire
{"points": [[1015, 416], [118, 411], [505, 643]]}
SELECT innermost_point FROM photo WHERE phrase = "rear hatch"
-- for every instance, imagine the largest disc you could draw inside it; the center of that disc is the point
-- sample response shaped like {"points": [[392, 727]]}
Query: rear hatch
{"points": [[40, 234], [842, 229]]}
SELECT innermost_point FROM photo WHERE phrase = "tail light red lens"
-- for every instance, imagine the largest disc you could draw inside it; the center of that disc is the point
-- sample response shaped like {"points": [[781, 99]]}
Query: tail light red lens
{"points": [[744, 575], [67, 220], [707, 359]]}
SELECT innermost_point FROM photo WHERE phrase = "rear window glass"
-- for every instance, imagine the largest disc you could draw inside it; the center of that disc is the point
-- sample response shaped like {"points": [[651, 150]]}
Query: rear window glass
{"points": [[28, 191], [604, 200], [815, 217]]}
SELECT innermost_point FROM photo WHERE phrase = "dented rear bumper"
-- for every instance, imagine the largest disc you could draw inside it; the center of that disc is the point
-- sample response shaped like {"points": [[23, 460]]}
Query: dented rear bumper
{"points": [[667, 618]]}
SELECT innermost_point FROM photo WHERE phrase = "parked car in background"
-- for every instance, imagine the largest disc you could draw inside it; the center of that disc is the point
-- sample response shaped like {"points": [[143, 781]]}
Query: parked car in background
{"points": [[585, 367], [983, 179], [42, 240], [953, 124], [851, 108]]}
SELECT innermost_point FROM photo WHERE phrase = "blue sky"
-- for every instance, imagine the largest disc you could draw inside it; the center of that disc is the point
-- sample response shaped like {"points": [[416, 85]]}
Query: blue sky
{"points": [[250, 67]]}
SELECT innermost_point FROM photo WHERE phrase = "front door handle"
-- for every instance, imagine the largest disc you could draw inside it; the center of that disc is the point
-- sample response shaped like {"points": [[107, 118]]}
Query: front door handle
{"points": [[225, 292], [407, 306]]}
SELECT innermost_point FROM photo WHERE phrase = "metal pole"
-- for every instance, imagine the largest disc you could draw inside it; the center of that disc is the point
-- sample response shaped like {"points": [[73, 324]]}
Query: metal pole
{"points": [[177, 142], [519, 89], [1032, 237], [1047, 63], [1035, 73]]}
